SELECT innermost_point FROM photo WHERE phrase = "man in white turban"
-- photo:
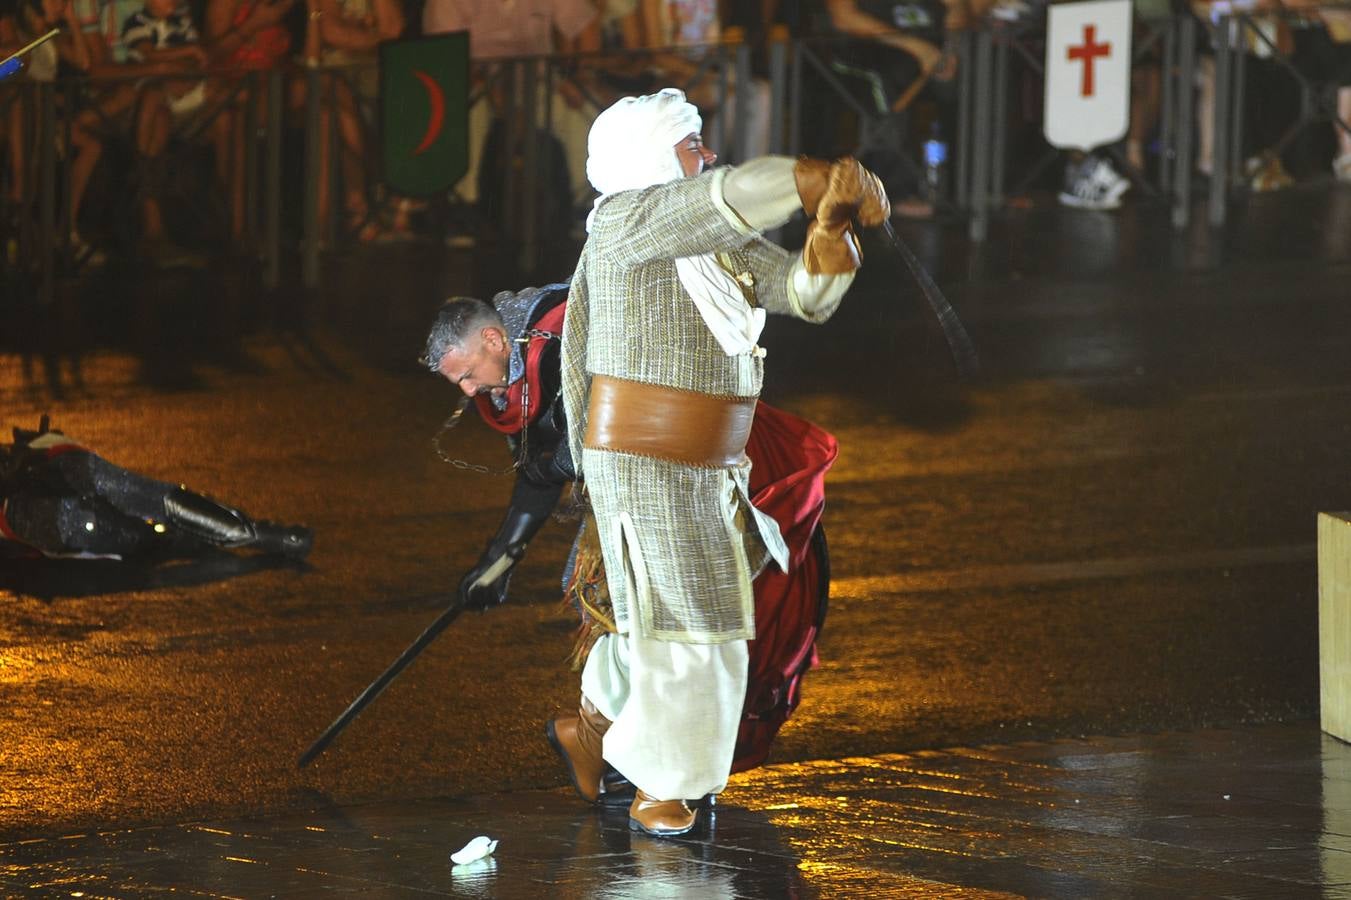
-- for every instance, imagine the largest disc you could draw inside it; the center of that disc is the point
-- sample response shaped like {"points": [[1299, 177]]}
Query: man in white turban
{"points": [[661, 371]]}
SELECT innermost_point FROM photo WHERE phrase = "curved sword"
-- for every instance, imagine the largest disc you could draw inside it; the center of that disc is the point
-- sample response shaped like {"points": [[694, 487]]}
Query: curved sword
{"points": [[963, 352]]}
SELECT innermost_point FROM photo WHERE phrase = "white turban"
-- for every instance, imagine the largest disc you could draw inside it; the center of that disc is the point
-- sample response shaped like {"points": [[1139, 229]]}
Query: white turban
{"points": [[632, 144]]}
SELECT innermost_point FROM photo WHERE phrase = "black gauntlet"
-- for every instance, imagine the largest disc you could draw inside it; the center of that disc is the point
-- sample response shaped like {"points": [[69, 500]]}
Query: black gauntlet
{"points": [[529, 510]]}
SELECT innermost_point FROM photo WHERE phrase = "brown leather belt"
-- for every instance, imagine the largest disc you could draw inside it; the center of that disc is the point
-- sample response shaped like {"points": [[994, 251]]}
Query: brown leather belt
{"points": [[667, 423]]}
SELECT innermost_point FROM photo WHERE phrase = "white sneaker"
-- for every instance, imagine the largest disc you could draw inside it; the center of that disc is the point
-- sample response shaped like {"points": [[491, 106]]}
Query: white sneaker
{"points": [[1117, 183], [1092, 183]]}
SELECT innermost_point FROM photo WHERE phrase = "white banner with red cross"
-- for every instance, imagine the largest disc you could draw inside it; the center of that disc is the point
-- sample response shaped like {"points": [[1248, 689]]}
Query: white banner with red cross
{"points": [[1088, 73]]}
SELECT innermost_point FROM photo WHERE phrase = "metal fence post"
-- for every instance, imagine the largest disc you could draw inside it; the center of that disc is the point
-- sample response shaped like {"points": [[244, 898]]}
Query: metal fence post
{"points": [[335, 211], [1168, 103], [1235, 135], [980, 169], [1219, 167], [965, 114], [719, 136], [314, 150], [745, 97], [1183, 116], [511, 195], [272, 183], [530, 255], [47, 188], [249, 128], [795, 97], [999, 132], [778, 73]]}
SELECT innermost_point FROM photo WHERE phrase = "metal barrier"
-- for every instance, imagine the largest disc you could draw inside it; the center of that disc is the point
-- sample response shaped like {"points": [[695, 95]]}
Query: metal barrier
{"points": [[983, 112], [521, 93], [1317, 103]]}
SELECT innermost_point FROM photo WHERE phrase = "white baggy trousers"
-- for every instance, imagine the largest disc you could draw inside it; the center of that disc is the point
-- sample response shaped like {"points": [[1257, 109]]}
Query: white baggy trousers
{"points": [[675, 707]]}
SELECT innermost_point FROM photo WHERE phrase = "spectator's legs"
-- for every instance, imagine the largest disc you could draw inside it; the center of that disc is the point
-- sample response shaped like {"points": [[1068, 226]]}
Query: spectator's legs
{"points": [[339, 95], [352, 147], [152, 136], [227, 140], [88, 149]]}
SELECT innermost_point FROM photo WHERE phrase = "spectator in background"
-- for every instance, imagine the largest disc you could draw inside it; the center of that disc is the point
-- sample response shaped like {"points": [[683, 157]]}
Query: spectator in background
{"points": [[524, 28], [11, 112], [68, 52], [347, 33], [692, 26], [1322, 46], [163, 32], [110, 99], [892, 49], [245, 35], [248, 35]]}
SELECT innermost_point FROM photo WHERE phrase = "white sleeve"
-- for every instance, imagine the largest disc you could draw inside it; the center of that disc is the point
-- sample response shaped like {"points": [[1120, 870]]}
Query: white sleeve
{"points": [[816, 297], [762, 192]]}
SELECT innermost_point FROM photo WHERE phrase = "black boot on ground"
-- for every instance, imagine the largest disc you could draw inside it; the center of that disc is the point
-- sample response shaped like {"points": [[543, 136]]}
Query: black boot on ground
{"points": [[222, 526]]}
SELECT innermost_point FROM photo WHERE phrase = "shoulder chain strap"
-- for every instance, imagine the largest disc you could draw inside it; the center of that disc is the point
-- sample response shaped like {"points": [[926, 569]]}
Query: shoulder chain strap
{"points": [[454, 420]]}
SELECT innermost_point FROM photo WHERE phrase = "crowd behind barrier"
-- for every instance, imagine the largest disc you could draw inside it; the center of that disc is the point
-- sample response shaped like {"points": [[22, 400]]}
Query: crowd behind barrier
{"points": [[195, 146]]}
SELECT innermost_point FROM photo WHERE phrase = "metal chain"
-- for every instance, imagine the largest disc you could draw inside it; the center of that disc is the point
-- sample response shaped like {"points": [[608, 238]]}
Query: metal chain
{"points": [[454, 420]]}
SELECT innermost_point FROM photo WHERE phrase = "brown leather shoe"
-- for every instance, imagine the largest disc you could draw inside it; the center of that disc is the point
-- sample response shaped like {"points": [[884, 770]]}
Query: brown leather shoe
{"points": [[577, 741], [660, 818]]}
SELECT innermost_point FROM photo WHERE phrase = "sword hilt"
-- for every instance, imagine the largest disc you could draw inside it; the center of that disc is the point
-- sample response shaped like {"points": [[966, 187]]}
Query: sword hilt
{"points": [[496, 570]]}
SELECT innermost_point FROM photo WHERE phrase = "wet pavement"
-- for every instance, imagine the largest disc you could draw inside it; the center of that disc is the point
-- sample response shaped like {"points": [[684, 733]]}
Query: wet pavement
{"points": [[1263, 812], [1109, 532]]}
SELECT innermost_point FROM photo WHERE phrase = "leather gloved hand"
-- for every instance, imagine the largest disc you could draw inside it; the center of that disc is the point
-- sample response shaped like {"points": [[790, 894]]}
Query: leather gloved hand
{"points": [[493, 593], [508, 546], [851, 191], [812, 177]]}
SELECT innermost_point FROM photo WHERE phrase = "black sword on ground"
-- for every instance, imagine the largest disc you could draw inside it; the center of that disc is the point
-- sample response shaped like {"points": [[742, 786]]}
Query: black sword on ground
{"points": [[963, 352], [373, 690]]}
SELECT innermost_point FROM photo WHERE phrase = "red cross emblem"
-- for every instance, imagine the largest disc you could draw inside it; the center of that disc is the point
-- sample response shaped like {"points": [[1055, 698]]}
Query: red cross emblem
{"points": [[1086, 53]]}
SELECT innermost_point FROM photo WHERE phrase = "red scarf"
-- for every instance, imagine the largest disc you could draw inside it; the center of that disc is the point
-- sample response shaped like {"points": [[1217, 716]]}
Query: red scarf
{"points": [[510, 420]]}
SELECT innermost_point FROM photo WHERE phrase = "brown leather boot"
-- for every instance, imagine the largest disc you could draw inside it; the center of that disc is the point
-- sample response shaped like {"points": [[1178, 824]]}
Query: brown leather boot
{"points": [[577, 741], [660, 818]]}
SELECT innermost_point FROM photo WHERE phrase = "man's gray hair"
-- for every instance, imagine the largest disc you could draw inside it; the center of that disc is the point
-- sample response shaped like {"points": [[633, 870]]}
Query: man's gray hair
{"points": [[456, 320]]}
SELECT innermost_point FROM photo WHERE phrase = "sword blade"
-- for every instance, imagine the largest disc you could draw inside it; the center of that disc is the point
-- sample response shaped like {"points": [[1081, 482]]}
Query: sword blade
{"points": [[374, 689], [959, 342]]}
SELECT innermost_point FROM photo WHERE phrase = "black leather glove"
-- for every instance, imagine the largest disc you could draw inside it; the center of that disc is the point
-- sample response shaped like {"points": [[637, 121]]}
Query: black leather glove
{"points": [[528, 512], [485, 596]]}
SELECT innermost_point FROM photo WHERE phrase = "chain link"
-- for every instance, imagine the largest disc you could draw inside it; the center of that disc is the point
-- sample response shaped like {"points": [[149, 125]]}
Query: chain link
{"points": [[448, 424]]}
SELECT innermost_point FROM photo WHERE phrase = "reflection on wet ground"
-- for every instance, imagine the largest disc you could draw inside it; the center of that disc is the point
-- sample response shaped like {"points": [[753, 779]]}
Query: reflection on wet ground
{"points": [[1260, 812]]}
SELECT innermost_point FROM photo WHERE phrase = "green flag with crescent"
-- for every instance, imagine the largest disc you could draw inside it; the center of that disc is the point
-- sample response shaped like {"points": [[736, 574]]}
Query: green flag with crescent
{"points": [[424, 112]]}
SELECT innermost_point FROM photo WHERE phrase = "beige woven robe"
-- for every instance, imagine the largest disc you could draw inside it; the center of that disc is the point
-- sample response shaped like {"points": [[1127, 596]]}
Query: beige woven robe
{"points": [[681, 543]]}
